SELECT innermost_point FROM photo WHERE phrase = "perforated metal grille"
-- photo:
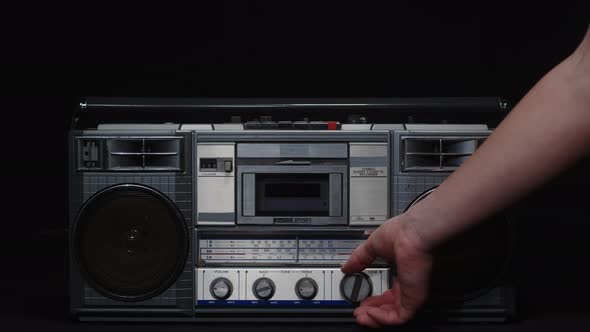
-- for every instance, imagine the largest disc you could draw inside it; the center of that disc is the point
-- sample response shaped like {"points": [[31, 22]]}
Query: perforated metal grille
{"points": [[407, 188], [131, 242]]}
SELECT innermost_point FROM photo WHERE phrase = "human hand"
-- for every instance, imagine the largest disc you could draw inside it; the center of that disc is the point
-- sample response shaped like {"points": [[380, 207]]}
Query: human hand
{"points": [[397, 242]]}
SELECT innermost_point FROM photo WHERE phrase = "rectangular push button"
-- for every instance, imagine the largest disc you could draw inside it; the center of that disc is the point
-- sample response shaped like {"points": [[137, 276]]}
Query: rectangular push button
{"points": [[228, 167]]}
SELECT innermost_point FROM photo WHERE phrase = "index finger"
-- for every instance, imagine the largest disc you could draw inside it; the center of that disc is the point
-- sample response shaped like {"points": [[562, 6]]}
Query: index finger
{"points": [[361, 258]]}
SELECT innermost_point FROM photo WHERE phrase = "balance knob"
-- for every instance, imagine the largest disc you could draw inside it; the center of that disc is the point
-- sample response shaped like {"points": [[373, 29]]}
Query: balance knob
{"points": [[263, 288], [306, 288], [221, 288], [356, 287]]}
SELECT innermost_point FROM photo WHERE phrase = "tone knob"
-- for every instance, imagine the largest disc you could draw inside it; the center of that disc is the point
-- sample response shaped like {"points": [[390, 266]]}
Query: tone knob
{"points": [[306, 288], [221, 288], [356, 287], [263, 288]]}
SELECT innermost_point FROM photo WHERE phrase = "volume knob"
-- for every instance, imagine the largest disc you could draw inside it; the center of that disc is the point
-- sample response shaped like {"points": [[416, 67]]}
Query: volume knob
{"points": [[356, 287], [221, 288], [263, 289]]}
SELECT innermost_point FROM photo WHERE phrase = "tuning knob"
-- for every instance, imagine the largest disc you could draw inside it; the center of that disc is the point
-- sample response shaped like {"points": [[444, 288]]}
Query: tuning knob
{"points": [[306, 288], [356, 287], [263, 289], [221, 288]]}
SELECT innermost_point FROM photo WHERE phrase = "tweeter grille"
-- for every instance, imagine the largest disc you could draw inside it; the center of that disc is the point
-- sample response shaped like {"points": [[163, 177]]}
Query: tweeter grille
{"points": [[472, 263], [130, 242]]}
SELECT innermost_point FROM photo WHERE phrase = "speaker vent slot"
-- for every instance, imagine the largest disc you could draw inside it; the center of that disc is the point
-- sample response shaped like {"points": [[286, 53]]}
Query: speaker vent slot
{"points": [[437, 154], [145, 154]]}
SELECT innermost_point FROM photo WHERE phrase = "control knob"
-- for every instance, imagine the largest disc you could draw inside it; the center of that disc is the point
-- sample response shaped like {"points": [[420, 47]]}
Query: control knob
{"points": [[306, 288], [263, 288], [221, 288], [356, 287]]}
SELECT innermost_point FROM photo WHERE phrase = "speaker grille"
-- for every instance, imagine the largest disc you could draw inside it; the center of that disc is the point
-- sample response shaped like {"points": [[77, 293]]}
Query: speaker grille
{"points": [[131, 242]]}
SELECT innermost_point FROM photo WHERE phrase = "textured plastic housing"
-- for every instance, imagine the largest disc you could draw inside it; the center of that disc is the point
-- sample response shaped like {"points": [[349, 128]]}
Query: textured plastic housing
{"points": [[177, 187]]}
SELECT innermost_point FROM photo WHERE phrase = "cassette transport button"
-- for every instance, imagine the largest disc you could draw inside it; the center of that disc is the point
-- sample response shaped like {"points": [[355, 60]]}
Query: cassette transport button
{"points": [[228, 166]]}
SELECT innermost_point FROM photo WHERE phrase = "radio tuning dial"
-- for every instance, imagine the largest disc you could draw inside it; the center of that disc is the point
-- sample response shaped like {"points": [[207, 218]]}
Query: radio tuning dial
{"points": [[356, 287], [306, 288], [263, 288], [221, 288]]}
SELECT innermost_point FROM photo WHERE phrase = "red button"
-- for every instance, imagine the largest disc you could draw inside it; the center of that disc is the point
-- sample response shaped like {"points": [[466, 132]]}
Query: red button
{"points": [[332, 125]]}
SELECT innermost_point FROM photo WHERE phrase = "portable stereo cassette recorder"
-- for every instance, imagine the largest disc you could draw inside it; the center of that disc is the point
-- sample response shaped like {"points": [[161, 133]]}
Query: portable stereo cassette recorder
{"points": [[244, 210]]}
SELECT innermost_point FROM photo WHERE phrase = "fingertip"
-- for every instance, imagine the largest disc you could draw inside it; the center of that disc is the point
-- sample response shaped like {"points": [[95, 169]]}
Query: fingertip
{"points": [[367, 321], [362, 310], [351, 265], [374, 300], [359, 259], [345, 267], [350, 270], [356, 312], [389, 317]]}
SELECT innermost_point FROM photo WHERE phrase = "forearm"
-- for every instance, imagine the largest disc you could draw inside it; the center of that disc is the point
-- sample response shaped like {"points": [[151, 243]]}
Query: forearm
{"points": [[545, 133]]}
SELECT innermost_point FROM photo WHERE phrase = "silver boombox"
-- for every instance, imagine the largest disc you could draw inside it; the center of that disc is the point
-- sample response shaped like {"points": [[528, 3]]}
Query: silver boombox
{"points": [[250, 217]]}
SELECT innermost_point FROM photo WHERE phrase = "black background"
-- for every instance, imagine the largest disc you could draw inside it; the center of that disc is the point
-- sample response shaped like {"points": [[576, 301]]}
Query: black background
{"points": [[58, 52]]}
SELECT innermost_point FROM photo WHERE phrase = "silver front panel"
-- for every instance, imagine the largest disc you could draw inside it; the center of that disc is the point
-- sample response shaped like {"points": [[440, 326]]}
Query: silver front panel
{"points": [[369, 184], [215, 187], [284, 279]]}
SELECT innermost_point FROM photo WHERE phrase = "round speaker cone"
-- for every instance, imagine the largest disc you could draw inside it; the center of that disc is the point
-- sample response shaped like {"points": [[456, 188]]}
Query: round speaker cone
{"points": [[131, 242], [471, 263]]}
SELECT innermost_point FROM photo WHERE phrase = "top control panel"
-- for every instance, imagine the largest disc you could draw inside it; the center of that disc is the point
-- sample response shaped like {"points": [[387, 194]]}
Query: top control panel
{"points": [[266, 122], [292, 125]]}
